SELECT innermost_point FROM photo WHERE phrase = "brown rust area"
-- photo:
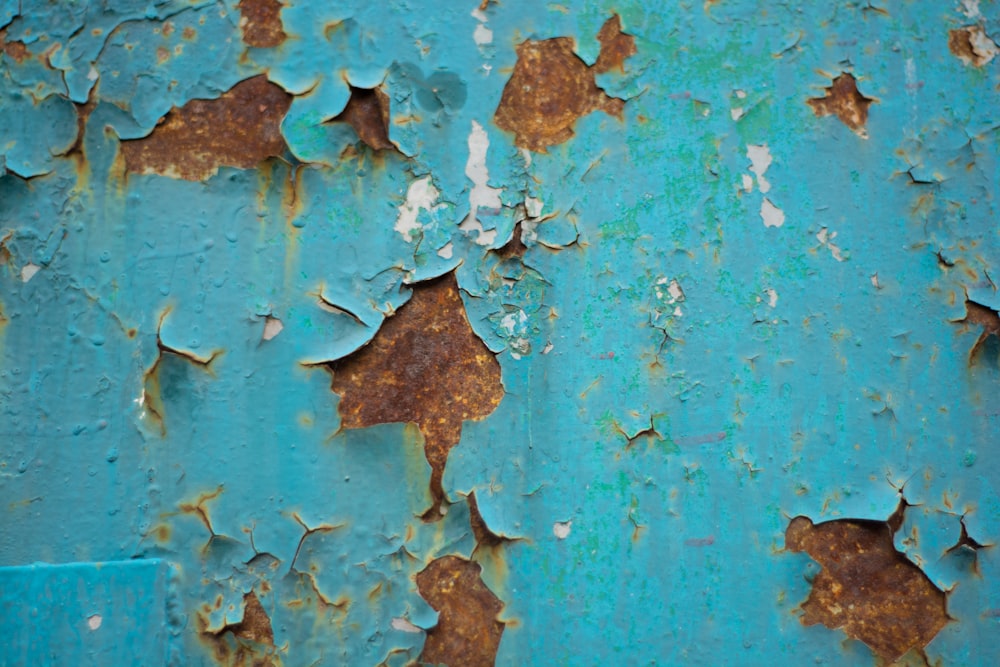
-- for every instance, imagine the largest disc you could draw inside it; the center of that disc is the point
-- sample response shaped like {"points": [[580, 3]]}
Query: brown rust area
{"points": [[239, 129], [551, 88], [261, 23], [616, 46], [248, 642], [467, 633], [981, 316], [866, 587], [368, 113], [426, 366], [845, 101], [14, 50], [256, 624], [971, 45]]}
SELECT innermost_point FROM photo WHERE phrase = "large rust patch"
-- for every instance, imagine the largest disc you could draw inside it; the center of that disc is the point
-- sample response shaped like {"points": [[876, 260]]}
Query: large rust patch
{"points": [[467, 633], [425, 366], [845, 101], [260, 21], [551, 87], [866, 587], [239, 129]]}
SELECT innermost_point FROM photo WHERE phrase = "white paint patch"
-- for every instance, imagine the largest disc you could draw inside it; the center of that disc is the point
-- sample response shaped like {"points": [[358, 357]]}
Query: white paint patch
{"points": [[400, 623], [760, 160], [420, 195], [533, 207], [94, 622], [272, 327], [748, 182], [675, 291], [742, 94], [561, 529], [482, 35], [875, 282], [772, 297], [526, 154], [479, 15], [28, 271], [970, 8], [826, 237], [446, 250], [736, 113], [771, 214], [984, 47], [548, 347], [482, 195], [93, 74]]}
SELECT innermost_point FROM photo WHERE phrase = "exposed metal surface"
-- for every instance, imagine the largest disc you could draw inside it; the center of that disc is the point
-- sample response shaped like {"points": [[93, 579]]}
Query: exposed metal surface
{"points": [[502, 333]]}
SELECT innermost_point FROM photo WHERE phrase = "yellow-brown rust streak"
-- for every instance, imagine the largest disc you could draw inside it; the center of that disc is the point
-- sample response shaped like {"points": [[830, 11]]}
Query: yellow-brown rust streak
{"points": [[551, 88], [239, 129], [845, 101], [867, 587], [426, 366], [261, 23], [14, 50], [468, 632]]}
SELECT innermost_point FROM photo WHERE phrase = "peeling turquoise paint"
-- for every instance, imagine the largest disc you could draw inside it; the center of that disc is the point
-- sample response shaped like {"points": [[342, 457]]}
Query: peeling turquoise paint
{"points": [[681, 378]]}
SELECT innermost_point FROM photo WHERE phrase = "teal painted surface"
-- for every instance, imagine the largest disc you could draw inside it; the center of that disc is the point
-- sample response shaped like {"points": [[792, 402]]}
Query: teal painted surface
{"points": [[796, 372]]}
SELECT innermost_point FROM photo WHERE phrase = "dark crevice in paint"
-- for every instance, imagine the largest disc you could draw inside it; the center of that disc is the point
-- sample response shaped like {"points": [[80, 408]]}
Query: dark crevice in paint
{"points": [[485, 538], [968, 546], [551, 87], [367, 112], [425, 366], [468, 631], [515, 247], [866, 587], [845, 101], [648, 435], [321, 528]]}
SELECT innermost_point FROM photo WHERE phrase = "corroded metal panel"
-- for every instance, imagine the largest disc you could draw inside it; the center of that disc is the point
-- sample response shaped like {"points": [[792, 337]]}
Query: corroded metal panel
{"points": [[502, 333]]}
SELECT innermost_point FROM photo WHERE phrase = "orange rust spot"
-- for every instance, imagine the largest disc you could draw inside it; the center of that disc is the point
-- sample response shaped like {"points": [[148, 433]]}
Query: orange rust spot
{"points": [[551, 88], [845, 101], [426, 366], [981, 316], [368, 113], [867, 587], [239, 129], [261, 23], [468, 632], [16, 51], [972, 45], [616, 46], [189, 33]]}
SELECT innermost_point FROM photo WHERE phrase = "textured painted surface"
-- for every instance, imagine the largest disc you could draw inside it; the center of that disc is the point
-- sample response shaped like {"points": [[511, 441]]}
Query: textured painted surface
{"points": [[642, 324]]}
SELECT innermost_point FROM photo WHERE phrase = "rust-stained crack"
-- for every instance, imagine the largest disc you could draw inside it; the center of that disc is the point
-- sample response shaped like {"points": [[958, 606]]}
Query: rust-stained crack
{"points": [[197, 508], [866, 587], [551, 87], [260, 21], [468, 631], [367, 112], [240, 128], [845, 101], [321, 528], [976, 314], [426, 366]]}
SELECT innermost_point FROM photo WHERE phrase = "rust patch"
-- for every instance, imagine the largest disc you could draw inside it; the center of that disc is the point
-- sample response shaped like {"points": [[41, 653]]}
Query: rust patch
{"points": [[426, 366], [982, 316], [972, 45], [468, 632], [845, 101], [551, 88], [14, 50], [250, 641], [866, 587], [368, 113], [239, 129], [616, 46], [261, 23]]}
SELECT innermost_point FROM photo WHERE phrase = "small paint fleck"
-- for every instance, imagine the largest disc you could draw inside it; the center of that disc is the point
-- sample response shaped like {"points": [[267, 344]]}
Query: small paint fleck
{"points": [[94, 622], [561, 529], [272, 327]]}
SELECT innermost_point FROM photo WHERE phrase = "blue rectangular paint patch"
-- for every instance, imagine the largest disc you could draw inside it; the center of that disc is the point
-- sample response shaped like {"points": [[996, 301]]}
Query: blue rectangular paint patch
{"points": [[111, 613]]}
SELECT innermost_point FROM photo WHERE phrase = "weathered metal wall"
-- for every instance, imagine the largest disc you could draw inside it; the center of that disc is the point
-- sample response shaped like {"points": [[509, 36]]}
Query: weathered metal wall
{"points": [[529, 333]]}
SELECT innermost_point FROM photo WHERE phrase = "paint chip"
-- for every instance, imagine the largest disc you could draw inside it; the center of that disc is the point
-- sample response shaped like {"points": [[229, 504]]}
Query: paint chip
{"points": [[771, 214], [272, 327], [94, 622], [404, 625], [28, 271], [760, 160], [561, 529]]}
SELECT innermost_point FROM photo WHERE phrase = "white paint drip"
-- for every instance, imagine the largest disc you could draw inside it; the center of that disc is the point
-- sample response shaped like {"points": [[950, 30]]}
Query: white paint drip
{"points": [[446, 250], [94, 622], [28, 271], [772, 297], [420, 195], [825, 237], [771, 214], [404, 625], [272, 327], [760, 160], [561, 529], [482, 195]]}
